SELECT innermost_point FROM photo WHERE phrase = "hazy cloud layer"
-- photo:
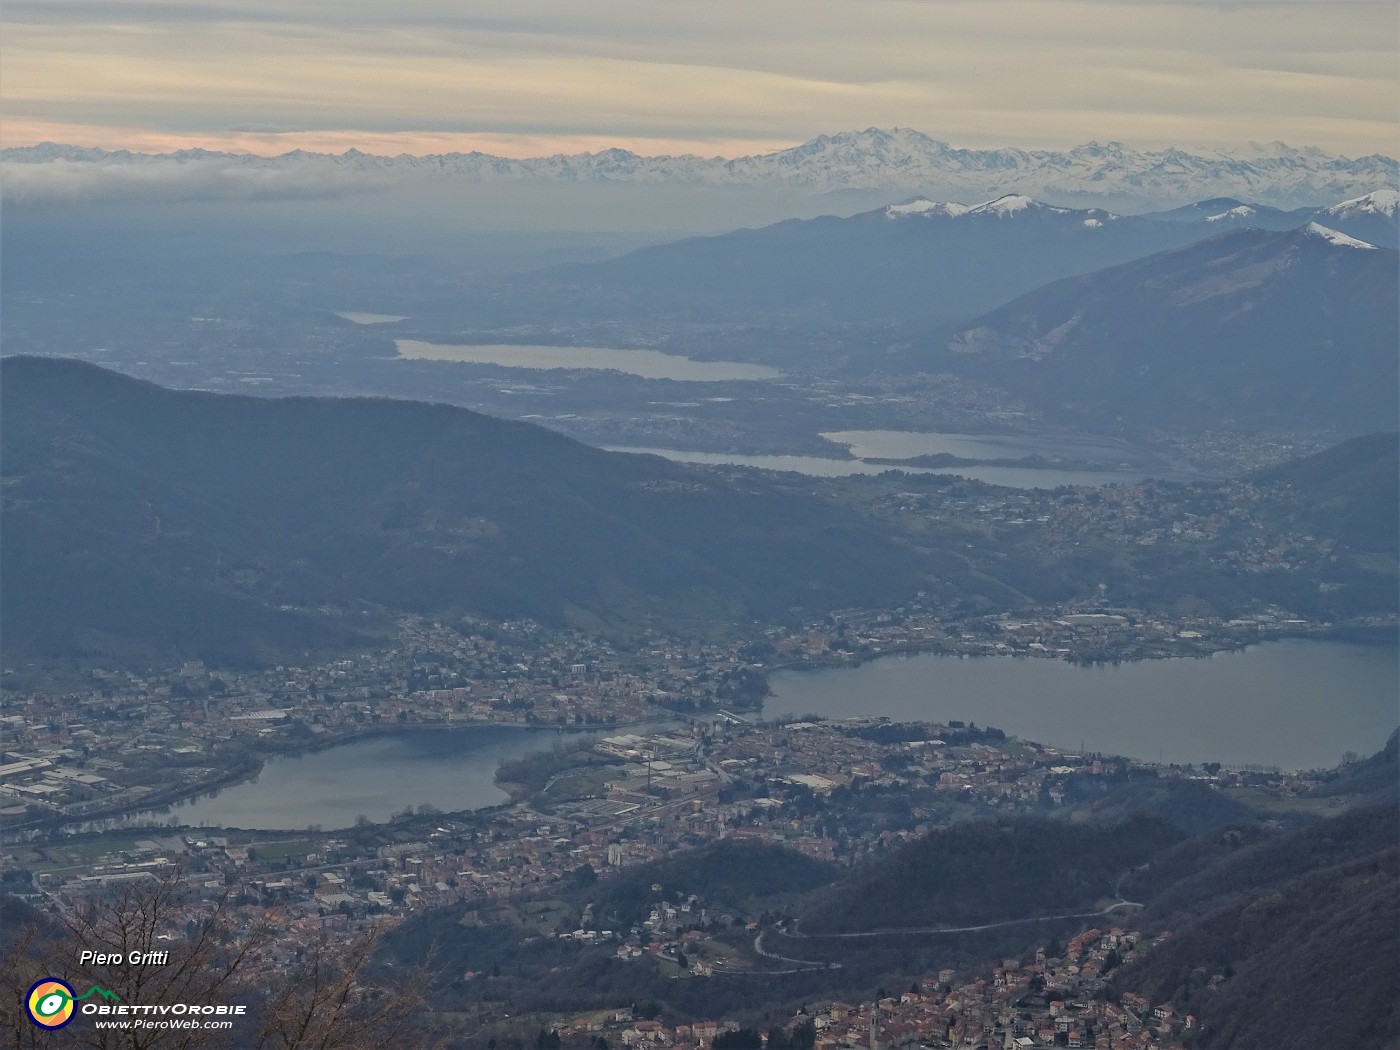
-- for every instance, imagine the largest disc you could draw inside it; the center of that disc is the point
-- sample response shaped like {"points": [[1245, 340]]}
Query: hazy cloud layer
{"points": [[892, 162], [63, 180], [722, 76]]}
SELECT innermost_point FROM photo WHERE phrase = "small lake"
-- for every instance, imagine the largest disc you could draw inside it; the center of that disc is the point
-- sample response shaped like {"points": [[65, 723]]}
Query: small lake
{"points": [[823, 467], [1296, 704], [357, 317], [375, 778], [649, 364]]}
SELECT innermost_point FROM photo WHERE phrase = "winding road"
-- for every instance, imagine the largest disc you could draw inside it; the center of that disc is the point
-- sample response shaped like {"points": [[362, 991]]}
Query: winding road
{"points": [[814, 964]]}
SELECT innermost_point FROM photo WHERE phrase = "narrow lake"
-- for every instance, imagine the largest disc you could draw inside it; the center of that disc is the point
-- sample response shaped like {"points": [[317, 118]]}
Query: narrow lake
{"points": [[1296, 704], [905, 444], [823, 467], [649, 364], [358, 317]]}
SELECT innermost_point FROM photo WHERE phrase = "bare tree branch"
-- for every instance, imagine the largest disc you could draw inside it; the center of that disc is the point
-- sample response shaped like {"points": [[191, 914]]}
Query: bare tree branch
{"points": [[213, 957]]}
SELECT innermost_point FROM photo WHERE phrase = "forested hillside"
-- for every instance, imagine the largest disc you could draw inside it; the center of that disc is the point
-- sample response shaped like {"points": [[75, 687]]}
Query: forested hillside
{"points": [[1288, 943], [147, 522]]}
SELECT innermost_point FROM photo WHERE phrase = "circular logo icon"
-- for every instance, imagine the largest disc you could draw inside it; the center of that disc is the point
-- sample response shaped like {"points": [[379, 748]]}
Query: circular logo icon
{"points": [[50, 1003]]}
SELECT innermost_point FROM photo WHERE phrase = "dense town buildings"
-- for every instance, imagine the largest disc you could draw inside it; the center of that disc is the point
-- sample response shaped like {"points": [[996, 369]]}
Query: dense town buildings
{"points": [[663, 752]]}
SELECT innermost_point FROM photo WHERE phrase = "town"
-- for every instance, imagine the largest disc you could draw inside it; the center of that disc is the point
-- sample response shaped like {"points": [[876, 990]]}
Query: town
{"points": [[819, 788], [663, 750], [1050, 1000], [130, 742], [655, 745]]}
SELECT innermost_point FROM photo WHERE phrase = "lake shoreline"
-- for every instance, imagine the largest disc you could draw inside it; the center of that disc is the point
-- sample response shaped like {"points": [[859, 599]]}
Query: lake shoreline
{"points": [[1378, 635], [644, 363], [1377, 639], [244, 774], [1299, 704]]}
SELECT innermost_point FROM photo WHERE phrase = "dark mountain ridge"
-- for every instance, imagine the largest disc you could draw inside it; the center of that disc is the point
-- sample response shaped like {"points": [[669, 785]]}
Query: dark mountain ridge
{"points": [[1227, 211], [1351, 491], [217, 526], [1278, 938], [1371, 217], [1248, 328], [903, 264], [144, 525], [988, 871], [1283, 942]]}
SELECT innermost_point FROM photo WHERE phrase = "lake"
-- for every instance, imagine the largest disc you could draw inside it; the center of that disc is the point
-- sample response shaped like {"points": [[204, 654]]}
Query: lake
{"points": [[1297, 704], [905, 444], [823, 467], [358, 317], [649, 364], [376, 778]]}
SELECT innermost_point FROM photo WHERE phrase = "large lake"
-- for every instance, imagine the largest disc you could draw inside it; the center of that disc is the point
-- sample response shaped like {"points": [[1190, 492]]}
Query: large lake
{"points": [[1297, 704], [375, 778], [649, 364]]}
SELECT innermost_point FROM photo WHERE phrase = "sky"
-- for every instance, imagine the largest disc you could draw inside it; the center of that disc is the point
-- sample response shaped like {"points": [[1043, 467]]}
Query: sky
{"points": [[711, 77]]}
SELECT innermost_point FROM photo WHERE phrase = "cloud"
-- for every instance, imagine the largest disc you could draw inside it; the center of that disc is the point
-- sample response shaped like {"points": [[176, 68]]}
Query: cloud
{"points": [[265, 129], [272, 140], [976, 72], [167, 180]]}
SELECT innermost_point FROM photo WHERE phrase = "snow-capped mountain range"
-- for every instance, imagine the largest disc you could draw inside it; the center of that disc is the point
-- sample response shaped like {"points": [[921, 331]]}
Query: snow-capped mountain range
{"points": [[898, 161], [1370, 217], [919, 263], [1382, 202], [1003, 207]]}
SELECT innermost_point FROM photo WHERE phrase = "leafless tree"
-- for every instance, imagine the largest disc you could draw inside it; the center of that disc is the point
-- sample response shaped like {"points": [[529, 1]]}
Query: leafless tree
{"points": [[325, 1005], [214, 956]]}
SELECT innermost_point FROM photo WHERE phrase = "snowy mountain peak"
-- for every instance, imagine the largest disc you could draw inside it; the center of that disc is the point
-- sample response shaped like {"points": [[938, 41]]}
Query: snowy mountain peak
{"points": [[1011, 204], [924, 206], [903, 138], [1378, 202], [1093, 148], [1340, 240], [1242, 211]]}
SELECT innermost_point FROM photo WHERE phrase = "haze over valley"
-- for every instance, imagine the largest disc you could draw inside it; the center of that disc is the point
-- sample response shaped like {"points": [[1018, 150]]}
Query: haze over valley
{"points": [[726, 526], [902, 317]]}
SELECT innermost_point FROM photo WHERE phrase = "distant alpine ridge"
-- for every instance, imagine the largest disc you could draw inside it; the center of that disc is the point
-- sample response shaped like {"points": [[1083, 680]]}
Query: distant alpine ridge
{"points": [[920, 263], [897, 160], [1255, 326]]}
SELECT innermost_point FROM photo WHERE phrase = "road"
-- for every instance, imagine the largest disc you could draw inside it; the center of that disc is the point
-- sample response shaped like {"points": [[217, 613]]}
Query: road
{"points": [[803, 964], [1115, 906], [814, 964]]}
